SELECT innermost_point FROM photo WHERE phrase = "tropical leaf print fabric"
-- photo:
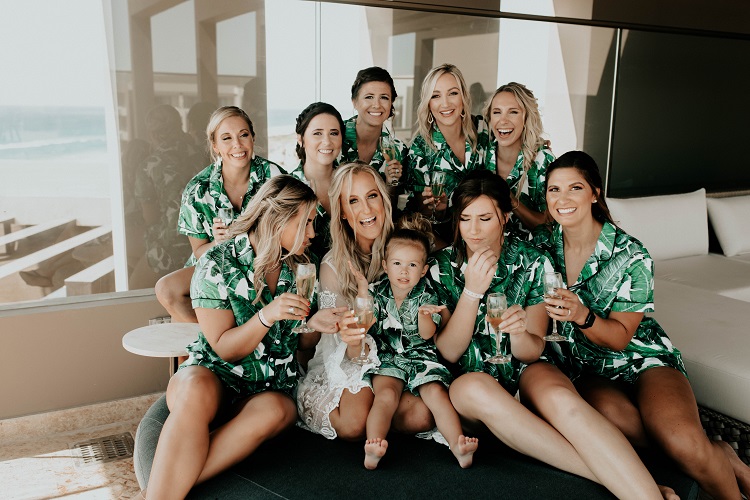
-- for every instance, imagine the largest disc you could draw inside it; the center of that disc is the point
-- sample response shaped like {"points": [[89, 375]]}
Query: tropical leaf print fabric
{"points": [[223, 279], [519, 276], [617, 277], [350, 153], [402, 352], [321, 244]]}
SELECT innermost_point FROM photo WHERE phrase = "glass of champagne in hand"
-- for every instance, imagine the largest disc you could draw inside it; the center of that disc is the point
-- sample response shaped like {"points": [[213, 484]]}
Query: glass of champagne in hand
{"points": [[388, 149], [553, 281], [437, 184], [363, 310], [225, 214], [497, 304], [305, 278]]}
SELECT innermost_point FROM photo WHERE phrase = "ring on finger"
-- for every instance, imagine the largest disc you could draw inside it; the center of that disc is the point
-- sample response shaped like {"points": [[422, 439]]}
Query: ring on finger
{"points": [[569, 312], [291, 309]]}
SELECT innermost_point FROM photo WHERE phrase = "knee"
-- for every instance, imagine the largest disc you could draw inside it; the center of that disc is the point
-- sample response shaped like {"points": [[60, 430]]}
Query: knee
{"points": [[194, 393], [352, 430], [690, 449], [164, 292], [417, 419]]}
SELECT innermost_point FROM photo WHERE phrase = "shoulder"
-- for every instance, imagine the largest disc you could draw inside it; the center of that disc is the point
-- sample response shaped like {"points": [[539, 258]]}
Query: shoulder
{"points": [[526, 254], [623, 243], [201, 180]]}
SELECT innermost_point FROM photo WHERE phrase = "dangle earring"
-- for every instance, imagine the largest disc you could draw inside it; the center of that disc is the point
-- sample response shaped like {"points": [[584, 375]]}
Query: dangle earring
{"points": [[430, 119], [463, 113], [218, 161]]}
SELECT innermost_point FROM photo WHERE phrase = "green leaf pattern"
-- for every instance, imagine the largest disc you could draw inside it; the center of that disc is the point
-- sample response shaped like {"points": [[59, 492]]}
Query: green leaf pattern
{"points": [[401, 350], [321, 244], [617, 277], [519, 276], [350, 153], [223, 279]]}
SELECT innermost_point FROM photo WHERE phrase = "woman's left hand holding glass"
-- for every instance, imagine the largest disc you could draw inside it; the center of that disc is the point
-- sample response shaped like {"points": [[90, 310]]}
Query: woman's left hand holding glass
{"points": [[567, 308], [287, 306], [220, 230], [514, 320], [393, 172], [327, 320]]}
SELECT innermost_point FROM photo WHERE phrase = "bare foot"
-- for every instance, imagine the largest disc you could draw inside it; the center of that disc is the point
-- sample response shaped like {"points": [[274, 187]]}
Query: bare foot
{"points": [[374, 450], [741, 471], [464, 450], [668, 493]]}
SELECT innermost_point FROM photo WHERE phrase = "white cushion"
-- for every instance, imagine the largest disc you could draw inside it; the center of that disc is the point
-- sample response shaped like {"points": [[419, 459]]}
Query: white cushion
{"points": [[713, 272], [730, 218], [711, 332], [669, 226]]}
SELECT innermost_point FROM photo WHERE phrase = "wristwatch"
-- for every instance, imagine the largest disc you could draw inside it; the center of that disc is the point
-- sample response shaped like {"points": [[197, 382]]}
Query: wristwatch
{"points": [[590, 318]]}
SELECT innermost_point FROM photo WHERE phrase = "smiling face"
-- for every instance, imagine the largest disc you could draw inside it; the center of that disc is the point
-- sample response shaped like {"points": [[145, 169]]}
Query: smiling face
{"points": [[507, 118], [322, 139], [446, 102], [234, 142], [480, 226], [405, 264], [373, 103], [363, 209], [291, 229], [569, 197]]}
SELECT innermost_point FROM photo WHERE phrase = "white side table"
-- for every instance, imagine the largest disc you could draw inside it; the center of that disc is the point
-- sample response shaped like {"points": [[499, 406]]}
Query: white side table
{"points": [[163, 340]]}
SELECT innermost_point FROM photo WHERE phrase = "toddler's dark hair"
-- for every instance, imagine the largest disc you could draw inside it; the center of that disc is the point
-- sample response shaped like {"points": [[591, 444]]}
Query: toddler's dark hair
{"points": [[413, 228]]}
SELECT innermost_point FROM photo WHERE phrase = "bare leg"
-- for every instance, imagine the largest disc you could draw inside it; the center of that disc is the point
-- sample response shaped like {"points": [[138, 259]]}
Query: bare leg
{"points": [[412, 415], [435, 396], [173, 292], [604, 450], [350, 417], [387, 395], [741, 470], [670, 415]]}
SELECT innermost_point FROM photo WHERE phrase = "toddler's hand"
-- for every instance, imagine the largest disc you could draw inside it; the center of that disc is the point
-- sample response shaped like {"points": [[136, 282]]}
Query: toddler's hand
{"points": [[429, 309]]}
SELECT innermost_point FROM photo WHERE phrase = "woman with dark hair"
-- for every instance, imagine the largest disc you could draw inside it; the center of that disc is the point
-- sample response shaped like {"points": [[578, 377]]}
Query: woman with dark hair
{"points": [[622, 362], [449, 141], [482, 261], [242, 363], [319, 131], [229, 183], [373, 94]]}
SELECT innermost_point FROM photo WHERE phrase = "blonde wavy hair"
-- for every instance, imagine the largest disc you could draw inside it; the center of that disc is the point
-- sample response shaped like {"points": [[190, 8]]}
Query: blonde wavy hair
{"points": [[215, 120], [344, 248], [275, 204], [424, 126], [531, 140]]}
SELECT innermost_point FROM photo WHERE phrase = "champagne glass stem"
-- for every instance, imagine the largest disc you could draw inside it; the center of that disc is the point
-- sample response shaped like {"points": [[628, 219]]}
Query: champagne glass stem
{"points": [[554, 327], [362, 349]]}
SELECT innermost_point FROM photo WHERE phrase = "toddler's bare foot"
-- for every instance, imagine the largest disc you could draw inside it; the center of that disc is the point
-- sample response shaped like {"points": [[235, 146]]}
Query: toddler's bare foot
{"points": [[741, 471], [668, 493], [464, 450], [374, 450]]}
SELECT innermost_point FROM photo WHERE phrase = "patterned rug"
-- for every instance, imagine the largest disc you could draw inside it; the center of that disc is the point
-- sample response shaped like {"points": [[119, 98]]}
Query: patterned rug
{"points": [[720, 427]]}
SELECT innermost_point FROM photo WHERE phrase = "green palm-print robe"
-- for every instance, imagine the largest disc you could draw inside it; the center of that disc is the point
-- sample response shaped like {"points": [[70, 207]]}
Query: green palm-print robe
{"points": [[424, 160], [223, 279], [350, 153], [396, 334], [204, 195], [321, 244], [617, 277], [519, 275], [533, 194]]}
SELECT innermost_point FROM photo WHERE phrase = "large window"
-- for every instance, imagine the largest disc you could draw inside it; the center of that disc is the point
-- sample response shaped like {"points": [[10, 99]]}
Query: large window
{"points": [[92, 108]]}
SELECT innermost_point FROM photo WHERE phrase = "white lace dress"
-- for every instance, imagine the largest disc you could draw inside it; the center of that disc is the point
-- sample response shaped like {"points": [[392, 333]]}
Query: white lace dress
{"points": [[330, 371]]}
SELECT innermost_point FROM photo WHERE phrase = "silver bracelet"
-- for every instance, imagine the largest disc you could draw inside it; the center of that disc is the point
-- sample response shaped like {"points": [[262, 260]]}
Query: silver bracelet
{"points": [[263, 320], [473, 295]]}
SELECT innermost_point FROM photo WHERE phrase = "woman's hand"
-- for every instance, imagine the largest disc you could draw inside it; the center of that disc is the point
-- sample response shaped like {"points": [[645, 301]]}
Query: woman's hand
{"points": [[362, 285], [567, 307], [514, 320], [287, 306], [441, 202], [480, 269], [220, 230], [393, 171], [350, 333], [327, 320]]}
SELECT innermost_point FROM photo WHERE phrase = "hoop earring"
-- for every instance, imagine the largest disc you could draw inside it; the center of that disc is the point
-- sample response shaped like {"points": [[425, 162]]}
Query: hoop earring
{"points": [[430, 119], [463, 114]]}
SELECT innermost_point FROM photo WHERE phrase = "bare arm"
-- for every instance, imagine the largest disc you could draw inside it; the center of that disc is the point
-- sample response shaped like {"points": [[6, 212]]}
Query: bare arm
{"points": [[530, 218], [425, 324], [202, 245]]}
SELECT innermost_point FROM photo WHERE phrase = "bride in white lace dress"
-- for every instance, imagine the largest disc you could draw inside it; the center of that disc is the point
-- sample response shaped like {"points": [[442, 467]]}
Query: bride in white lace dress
{"points": [[332, 398]]}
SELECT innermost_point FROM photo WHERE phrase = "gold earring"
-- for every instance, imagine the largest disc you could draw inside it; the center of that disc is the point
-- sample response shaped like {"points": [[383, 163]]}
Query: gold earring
{"points": [[430, 119]]}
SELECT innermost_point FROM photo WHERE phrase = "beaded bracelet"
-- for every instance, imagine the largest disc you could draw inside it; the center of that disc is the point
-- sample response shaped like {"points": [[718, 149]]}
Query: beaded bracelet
{"points": [[262, 319], [473, 295]]}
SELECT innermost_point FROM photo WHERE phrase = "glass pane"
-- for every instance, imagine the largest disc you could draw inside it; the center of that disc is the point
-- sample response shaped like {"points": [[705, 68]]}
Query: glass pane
{"points": [[55, 217], [677, 103]]}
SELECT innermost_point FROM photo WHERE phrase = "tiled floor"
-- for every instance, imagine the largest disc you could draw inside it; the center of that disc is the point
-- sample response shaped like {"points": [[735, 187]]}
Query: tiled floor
{"points": [[36, 461]]}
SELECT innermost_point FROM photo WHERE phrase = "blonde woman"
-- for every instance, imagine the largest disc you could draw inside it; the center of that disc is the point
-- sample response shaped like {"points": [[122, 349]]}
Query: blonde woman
{"points": [[229, 182], [243, 361], [448, 140], [518, 154], [332, 399]]}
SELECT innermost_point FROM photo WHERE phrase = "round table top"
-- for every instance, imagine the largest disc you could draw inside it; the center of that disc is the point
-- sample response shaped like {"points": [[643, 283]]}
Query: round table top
{"points": [[163, 340]]}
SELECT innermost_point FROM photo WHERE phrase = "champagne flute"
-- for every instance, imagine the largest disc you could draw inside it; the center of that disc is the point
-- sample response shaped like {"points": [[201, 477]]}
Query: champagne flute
{"points": [[363, 310], [438, 189], [389, 151], [552, 281], [305, 278], [497, 304], [225, 214]]}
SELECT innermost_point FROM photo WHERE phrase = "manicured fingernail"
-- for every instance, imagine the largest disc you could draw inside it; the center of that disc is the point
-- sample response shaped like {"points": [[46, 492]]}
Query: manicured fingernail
{"points": [[362, 330]]}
